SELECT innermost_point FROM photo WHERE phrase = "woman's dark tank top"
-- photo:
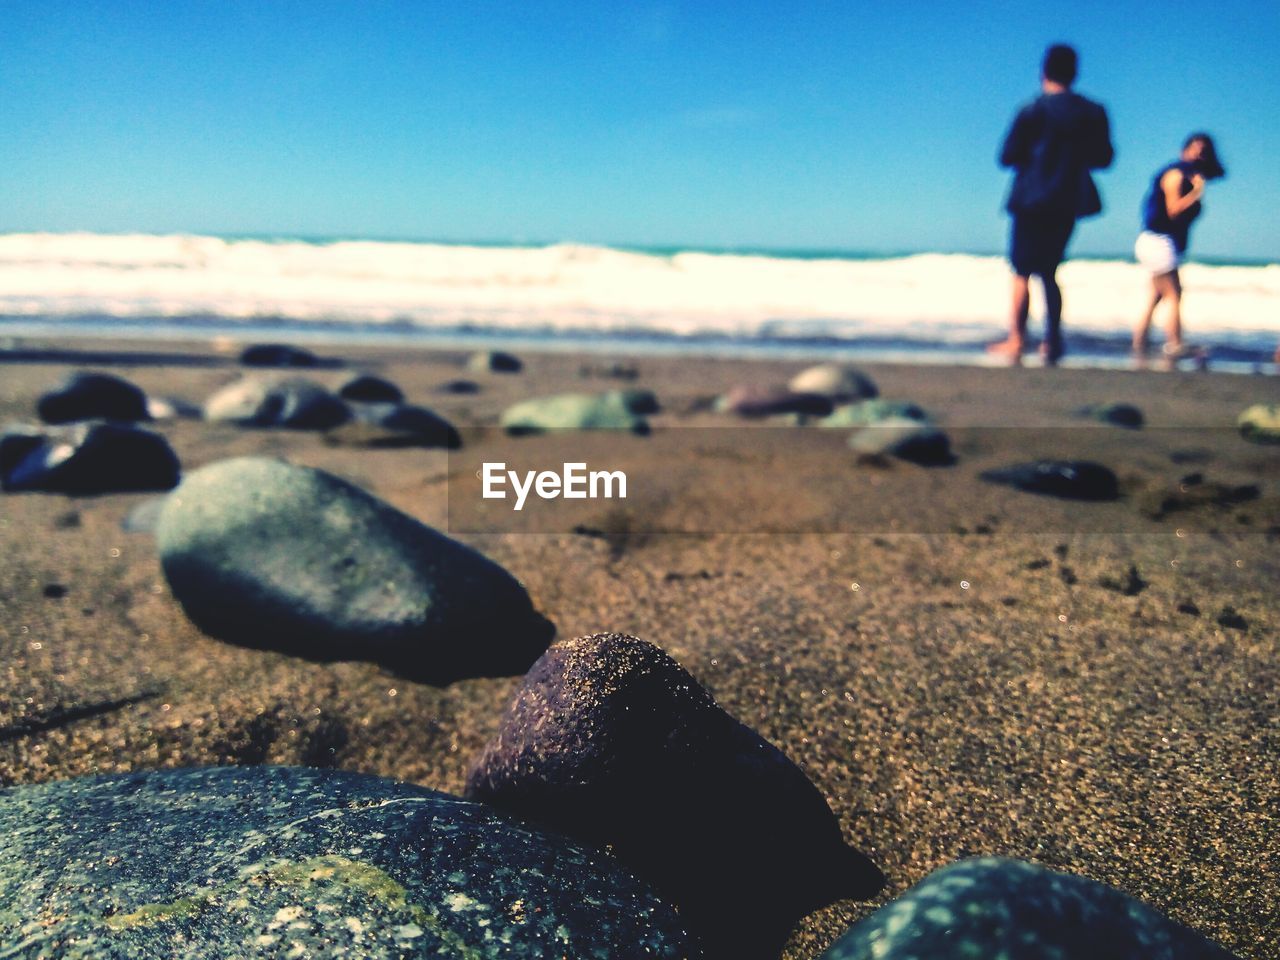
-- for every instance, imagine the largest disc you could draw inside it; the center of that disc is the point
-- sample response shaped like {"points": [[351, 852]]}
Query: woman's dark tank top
{"points": [[1155, 214]]}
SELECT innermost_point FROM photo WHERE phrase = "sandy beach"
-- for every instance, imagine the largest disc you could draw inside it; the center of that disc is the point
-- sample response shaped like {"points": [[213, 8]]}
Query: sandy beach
{"points": [[961, 668]]}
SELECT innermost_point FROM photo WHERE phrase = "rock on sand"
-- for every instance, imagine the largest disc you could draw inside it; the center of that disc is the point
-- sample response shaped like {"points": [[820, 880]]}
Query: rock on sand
{"points": [[753, 401], [1260, 423], [93, 396], [613, 410], [266, 554], [835, 380], [992, 907], [1068, 479], [86, 458], [610, 741], [905, 439], [295, 403], [294, 862], [494, 361], [395, 425]]}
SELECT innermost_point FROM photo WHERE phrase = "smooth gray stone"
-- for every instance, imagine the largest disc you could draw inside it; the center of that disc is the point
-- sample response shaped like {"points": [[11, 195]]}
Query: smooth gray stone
{"points": [[1260, 423], [991, 907], [612, 742], [838, 381], [294, 403], [293, 862], [86, 458], [905, 439], [613, 410], [93, 396], [864, 413], [266, 554]]}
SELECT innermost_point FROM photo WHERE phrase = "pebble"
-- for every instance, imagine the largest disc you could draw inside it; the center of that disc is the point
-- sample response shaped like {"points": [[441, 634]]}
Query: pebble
{"points": [[754, 401], [1117, 414], [494, 361], [279, 861], [612, 742], [1067, 479], [277, 355], [1260, 423], [395, 425], [93, 396], [263, 553], [992, 907], [906, 439], [864, 413], [366, 388], [613, 410], [86, 458], [838, 381], [294, 403]]}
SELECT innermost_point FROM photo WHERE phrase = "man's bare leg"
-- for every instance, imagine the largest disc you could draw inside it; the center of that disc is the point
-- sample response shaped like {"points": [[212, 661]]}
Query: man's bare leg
{"points": [[1052, 349], [1012, 347]]}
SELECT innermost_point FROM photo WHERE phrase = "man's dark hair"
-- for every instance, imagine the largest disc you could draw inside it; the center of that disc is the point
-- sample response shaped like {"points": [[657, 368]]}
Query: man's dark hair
{"points": [[1060, 64]]}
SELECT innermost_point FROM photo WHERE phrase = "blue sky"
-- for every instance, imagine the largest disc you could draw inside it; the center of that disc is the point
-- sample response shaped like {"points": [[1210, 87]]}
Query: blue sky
{"points": [[856, 126]]}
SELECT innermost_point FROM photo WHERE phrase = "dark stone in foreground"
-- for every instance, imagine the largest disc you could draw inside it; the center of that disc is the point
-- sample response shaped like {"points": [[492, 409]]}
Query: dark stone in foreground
{"points": [[277, 355], [991, 907], [93, 396], [610, 741], [86, 458], [263, 553], [1068, 479], [366, 388], [293, 862]]}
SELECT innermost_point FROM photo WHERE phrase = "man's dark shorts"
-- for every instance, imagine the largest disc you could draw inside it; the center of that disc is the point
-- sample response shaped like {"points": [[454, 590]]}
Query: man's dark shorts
{"points": [[1038, 242]]}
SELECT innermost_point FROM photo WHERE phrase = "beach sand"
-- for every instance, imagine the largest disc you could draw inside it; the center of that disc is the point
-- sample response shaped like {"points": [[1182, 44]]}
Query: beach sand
{"points": [[960, 668]]}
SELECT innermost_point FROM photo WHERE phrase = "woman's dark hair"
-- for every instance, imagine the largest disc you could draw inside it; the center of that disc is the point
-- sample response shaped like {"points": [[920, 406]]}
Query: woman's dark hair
{"points": [[1209, 166]]}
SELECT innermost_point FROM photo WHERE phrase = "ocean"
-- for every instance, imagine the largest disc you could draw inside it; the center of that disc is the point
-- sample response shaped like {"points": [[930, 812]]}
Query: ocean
{"points": [[918, 306]]}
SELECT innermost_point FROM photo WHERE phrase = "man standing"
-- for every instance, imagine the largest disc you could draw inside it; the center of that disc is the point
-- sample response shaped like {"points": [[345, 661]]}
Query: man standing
{"points": [[1053, 144]]}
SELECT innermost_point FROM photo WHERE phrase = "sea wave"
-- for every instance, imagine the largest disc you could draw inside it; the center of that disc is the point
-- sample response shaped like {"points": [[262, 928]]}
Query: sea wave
{"points": [[940, 298]]}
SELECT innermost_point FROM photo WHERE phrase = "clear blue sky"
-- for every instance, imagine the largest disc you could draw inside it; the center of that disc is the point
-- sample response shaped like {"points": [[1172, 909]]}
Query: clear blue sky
{"points": [[858, 126]]}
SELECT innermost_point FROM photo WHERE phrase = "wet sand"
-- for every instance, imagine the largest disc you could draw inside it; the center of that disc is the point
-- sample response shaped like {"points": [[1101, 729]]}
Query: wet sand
{"points": [[961, 668]]}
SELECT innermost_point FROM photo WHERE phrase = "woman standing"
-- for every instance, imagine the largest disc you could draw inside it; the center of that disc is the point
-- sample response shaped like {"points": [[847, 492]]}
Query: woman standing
{"points": [[1172, 204]]}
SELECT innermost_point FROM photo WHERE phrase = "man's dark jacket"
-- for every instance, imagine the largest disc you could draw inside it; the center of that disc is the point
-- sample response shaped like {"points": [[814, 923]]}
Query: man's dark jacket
{"points": [[1053, 144]]}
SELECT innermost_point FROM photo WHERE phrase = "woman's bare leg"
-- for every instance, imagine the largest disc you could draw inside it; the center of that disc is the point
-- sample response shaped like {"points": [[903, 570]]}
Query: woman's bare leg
{"points": [[1142, 335]]}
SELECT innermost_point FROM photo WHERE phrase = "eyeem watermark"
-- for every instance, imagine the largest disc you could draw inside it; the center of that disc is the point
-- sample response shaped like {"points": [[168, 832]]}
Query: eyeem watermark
{"points": [[573, 482]]}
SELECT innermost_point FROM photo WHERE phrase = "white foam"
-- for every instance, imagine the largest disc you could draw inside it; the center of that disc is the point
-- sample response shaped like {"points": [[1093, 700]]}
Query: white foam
{"points": [[950, 297]]}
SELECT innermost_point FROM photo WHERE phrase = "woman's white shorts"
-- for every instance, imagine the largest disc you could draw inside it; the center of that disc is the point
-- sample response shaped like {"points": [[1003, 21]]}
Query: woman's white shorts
{"points": [[1156, 252]]}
